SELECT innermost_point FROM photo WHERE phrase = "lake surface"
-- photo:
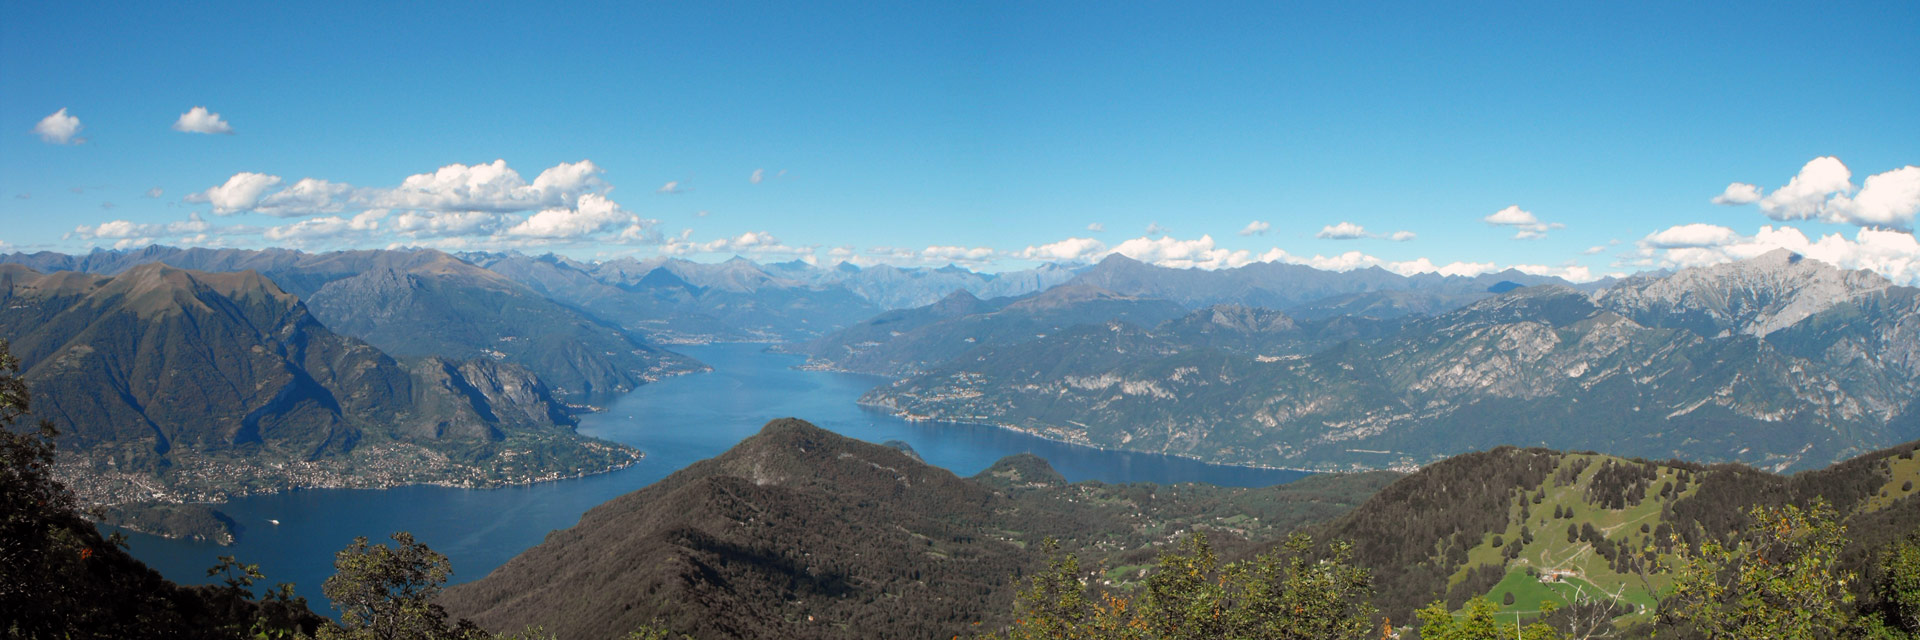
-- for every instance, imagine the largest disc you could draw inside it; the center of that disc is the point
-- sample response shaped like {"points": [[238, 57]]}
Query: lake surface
{"points": [[676, 422]]}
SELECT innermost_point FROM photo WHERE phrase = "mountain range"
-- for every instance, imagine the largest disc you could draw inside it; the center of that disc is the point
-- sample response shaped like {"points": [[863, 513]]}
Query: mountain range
{"points": [[1776, 361]]}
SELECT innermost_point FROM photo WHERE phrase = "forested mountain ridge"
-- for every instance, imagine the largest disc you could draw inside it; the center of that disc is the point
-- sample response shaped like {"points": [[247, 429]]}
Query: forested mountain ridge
{"points": [[174, 385], [1548, 365], [798, 532]]}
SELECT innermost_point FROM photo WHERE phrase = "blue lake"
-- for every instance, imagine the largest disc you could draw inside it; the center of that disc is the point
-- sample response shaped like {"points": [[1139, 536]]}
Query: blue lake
{"points": [[676, 422]]}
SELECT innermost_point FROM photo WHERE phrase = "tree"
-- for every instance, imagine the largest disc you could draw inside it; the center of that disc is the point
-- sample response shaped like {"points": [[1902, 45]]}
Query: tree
{"points": [[1900, 585], [1780, 580], [33, 506], [1477, 622], [1294, 594], [386, 593]]}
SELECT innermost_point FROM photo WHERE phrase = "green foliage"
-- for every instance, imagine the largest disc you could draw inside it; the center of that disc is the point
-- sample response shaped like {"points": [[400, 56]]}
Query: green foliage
{"points": [[386, 593], [1781, 581], [1477, 622], [1290, 595], [1901, 585]]}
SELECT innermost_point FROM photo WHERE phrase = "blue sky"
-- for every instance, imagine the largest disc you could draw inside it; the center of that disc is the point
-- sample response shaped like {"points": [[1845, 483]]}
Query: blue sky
{"points": [[990, 134]]}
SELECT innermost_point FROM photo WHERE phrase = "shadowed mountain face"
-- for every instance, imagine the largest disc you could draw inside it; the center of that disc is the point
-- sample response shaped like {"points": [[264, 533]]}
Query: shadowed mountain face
{"points": [[1775, 361], [164, 370], [426, 303], [801, 533]]}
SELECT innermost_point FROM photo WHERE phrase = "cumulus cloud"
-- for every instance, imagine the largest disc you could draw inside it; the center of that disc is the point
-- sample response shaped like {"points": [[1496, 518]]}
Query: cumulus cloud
{"points": [[1593, 250], [1401, 236], [199, 120], [970, 255], [240, 193], [1690, 235], [1823, 189], [1068, 250], [1526, 225], [1888, 199], [1807, 192], [1423, 265], [1342, 231], [758, 175], [1154, 229], [595, 214], [1167, 251], [125, 229], [154, 192], [672, 188], [1096, 227], [751, 242], [325, 228], [1256, 228], [1890, 253], [1738, 193], [1570, 273], [428, 224], [455, 187], [59, 128]]}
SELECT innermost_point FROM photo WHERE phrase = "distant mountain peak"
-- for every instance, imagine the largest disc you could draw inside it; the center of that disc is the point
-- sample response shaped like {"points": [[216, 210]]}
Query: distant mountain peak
{"points": [[1755, 296]]}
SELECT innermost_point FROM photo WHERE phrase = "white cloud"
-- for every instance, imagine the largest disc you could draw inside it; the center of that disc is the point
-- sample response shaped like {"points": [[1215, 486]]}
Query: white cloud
{"points": [[154, 192], [672, 188], [1167, 251], [199, 120], [59, 128], [309, 196], [1154, 229], [1096, 227], [1526, 225], [1423, 265], [1807, 192], [489, 187], [1690, 235], [455, 187], [971, 255], [1342, 231], [1068, 250], [326, 228], [1824, 189], [240, 193], [1888, 199], [1738, 193], [595, 214], [1893, 254], [1594, 250], [124, 229], [1512, 216], [751, 242], [1402, 236], [1256, 228], [450, 223], [758, 175]]}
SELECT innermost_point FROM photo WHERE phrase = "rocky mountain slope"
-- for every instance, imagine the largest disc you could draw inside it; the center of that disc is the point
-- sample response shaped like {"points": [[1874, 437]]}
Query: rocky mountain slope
{"points": [[1833, 375]]}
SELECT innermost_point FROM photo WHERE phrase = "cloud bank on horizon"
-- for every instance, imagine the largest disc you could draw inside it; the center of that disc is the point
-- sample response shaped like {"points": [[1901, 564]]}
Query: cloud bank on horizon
{"points": [[568, 207]]}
